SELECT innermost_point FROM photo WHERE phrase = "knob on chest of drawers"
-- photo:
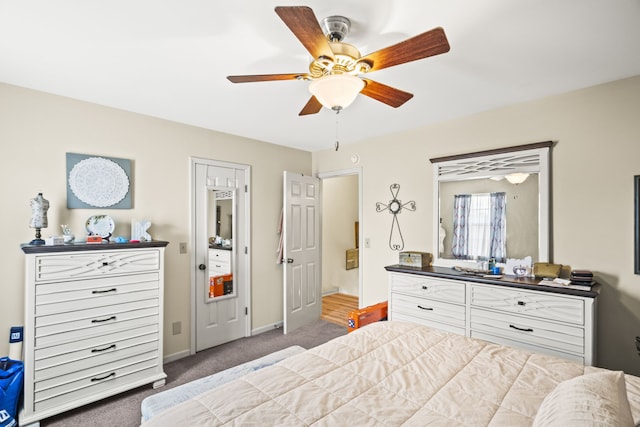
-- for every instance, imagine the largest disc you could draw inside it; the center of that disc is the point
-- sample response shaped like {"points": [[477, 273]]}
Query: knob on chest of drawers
{"points": [[425, 287], [522, 303]]}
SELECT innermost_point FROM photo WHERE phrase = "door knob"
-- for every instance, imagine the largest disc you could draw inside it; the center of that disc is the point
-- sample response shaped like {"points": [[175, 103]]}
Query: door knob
{"points": [[202, 267], [289, 260]]}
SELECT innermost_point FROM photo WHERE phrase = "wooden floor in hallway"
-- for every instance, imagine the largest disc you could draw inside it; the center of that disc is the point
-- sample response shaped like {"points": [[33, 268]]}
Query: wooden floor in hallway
{"points": [[336, 308]]}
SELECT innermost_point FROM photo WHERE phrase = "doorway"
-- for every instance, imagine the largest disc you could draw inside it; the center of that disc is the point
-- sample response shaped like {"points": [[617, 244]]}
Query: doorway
{"points": [[220, 236], [342, 260]]}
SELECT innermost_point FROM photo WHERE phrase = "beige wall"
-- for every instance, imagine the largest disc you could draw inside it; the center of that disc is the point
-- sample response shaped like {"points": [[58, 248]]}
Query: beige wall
{"points": [[593, 163], [339, 215], [596, 156], [37, 129]]}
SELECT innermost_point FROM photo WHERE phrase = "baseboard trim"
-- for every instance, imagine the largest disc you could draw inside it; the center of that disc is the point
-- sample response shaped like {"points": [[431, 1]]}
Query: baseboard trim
{"points": [[266, 328], [176, 356], [184, 353]]}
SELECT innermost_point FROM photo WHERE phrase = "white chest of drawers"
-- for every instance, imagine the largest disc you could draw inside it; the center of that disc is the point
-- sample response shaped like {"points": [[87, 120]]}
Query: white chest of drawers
{"points": [[93, 324], [514, 313]]}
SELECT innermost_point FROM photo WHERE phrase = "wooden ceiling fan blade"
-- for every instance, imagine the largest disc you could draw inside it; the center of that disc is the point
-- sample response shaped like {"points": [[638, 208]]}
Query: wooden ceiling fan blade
{"points": [[386, 94], [305, 26], [312, 107], [430, 43], [265, 77]]}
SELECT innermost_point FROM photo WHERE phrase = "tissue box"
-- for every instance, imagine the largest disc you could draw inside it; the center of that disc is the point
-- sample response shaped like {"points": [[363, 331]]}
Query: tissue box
{"points": [[54, 240]]}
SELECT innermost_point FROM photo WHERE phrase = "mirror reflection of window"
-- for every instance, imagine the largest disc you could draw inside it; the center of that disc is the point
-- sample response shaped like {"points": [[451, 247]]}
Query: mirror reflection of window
{"points": [[479, 226], [521, 216]]}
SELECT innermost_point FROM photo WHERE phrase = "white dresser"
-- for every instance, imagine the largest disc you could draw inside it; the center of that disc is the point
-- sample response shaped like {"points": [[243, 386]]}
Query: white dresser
{"points": [[93, 323], [520, 313]]}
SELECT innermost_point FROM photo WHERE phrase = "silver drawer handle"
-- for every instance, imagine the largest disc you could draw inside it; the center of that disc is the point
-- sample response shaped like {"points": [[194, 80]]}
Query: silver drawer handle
{"points": [[112, 374], [103, 320], [425, 308], [105, 291], [100, 350], [521, 329]]}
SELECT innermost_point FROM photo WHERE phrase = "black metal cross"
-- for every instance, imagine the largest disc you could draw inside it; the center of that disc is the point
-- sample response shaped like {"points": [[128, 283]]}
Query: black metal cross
{"points": [[395, 206]]}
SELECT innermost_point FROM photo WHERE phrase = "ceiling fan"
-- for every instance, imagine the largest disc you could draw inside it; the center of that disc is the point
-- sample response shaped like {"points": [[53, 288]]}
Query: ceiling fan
{"points": [[334, 72]]}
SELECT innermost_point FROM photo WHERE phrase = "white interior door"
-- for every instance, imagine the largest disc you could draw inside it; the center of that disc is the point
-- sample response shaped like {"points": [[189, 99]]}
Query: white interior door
{"points": [[221, 285], [301, 228]]}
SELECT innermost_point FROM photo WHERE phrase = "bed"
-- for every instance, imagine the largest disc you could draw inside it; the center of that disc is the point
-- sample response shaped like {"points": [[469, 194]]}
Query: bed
{"points": [[396, 373]]}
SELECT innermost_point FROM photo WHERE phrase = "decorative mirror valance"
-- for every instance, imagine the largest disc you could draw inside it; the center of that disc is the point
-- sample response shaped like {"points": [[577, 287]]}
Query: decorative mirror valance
{"points": [[492, 204]]}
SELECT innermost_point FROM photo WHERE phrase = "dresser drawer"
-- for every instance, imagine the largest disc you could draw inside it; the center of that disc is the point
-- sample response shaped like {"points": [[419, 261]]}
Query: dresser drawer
{"points": [[428, 309], [92, 264], [218, 255], [109, 356], [86, 322], [52, 298], [98, 329], [428, 287], [542, 305], [528, 330], [219, 262], [126, 376], [43, 322], [73, 350], [66, 383], [429, 322]]}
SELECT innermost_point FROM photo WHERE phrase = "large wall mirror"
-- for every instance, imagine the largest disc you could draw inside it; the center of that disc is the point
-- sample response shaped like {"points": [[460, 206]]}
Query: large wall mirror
{"points": [[492, 204], [220, 230]]}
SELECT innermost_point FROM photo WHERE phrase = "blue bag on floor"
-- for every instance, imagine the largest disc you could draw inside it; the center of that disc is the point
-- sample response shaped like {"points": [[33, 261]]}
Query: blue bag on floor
{"points": [[11, 378]]}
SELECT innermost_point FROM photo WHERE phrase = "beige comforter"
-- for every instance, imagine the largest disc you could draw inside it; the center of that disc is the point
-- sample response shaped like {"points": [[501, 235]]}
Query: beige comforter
{"points": [[387, 374]]}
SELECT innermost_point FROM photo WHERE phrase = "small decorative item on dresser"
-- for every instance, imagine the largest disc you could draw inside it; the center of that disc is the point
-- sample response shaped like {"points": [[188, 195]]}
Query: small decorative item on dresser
{"points": [[520, 271], [39, 207], [582, 277], [415, 259], [67, 235], [543, 270]]}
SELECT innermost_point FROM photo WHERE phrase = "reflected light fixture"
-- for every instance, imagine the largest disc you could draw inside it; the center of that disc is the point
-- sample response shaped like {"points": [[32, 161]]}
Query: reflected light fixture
{"points": [[517, 178], [336, 91]]}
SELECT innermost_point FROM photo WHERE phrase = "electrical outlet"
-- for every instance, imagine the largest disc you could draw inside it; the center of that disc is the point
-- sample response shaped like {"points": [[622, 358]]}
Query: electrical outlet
{"points": [[177, 328], [183, 247]]}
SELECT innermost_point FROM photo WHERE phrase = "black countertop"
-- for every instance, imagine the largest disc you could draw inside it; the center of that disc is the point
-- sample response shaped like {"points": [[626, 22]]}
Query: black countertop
{"points": [[528, 283], [70, 247]]}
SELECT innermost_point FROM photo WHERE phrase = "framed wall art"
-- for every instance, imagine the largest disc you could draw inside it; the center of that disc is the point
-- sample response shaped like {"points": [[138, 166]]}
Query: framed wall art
{"points": [[95, 182]]}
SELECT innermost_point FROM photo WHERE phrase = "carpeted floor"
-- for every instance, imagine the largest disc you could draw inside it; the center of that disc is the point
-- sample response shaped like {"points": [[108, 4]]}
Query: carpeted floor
{"points": [[123, 410]]}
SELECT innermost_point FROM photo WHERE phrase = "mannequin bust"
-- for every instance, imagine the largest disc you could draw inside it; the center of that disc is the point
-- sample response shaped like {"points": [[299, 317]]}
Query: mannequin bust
{"points": [[39, 208]]}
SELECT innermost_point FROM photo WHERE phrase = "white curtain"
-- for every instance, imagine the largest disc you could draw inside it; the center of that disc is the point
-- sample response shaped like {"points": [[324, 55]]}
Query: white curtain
{"points": [[461, 207], [498, 226]]}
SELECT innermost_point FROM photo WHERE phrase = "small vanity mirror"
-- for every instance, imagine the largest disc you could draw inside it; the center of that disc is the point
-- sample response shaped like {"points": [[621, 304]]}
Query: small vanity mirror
{"points": [[492, 205], [221, 228]]}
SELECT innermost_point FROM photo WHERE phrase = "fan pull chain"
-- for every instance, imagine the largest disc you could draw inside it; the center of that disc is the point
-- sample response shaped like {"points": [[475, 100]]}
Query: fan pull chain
{"points": [[337, 123]]}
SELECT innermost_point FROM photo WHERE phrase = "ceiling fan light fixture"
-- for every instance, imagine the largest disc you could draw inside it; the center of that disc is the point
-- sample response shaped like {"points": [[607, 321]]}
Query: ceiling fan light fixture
{"points": [[336, 91]]}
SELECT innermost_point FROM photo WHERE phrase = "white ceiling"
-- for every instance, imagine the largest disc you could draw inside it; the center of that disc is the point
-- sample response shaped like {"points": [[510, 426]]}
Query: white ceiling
{"points": [[169, 58]]}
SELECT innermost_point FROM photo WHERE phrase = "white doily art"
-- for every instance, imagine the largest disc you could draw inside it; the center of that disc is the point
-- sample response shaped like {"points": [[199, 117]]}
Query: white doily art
{"points": [[98, 182]]}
